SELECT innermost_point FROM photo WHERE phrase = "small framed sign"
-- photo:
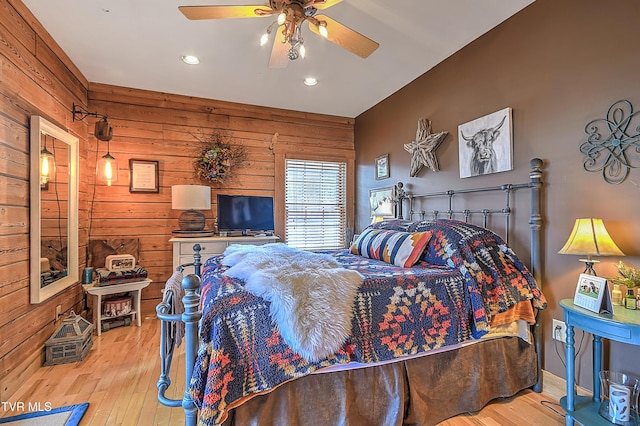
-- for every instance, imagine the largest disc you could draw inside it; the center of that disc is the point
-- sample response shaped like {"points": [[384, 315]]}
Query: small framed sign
{"points": [[382, 167], [592, 293], [143, 176]]}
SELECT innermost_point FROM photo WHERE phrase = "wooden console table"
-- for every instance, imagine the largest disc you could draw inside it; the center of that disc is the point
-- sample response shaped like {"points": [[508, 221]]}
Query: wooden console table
{"points": [[622, 326], [135, 288]]}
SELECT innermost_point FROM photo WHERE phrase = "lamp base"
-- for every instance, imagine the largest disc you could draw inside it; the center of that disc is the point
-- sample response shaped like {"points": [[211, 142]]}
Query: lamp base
{"points": [[191, 221], [588, 266]]}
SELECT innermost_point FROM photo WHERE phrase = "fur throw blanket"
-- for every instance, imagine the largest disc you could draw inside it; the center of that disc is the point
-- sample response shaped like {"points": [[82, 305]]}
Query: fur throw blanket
{"points": [[311, 295]]}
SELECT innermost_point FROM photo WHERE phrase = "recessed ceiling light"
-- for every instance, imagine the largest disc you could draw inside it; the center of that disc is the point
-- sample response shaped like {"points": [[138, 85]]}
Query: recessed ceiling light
{"points": [[190, 59], [310, 81]]}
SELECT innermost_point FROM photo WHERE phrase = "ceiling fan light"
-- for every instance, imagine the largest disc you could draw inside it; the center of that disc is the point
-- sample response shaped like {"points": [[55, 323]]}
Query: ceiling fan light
{"points": [[190, 59], [302, 50], [322, 29], [293, 54], [264, 39], [281, 18]]}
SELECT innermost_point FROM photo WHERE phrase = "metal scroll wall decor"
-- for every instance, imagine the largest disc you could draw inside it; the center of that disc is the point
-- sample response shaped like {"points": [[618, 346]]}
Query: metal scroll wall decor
{"points": [[423, 148], [609, 151]]}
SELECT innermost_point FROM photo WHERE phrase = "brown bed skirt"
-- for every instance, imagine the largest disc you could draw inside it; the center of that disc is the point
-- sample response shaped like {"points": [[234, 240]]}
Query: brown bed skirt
{"points": [[422, 391]]}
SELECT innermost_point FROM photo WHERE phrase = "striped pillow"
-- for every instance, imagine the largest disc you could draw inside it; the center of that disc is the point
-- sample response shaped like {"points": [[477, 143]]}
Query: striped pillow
{"points": [[394, 247]]}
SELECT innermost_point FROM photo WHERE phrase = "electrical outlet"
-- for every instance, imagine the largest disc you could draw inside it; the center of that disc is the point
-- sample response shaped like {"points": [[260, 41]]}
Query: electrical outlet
{"points": [[58, 312], [559, 330]]}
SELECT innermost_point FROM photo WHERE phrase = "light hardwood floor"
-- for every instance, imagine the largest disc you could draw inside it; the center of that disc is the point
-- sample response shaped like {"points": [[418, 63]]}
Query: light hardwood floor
{"points": [[118, 379]]}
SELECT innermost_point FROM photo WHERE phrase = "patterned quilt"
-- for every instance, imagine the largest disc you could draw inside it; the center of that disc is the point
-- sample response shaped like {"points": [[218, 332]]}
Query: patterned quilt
{"points": [[466, 275]]}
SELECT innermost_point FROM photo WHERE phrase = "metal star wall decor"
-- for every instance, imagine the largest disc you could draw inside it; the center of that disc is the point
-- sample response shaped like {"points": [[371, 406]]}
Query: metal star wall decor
{"points": [[423, 149], [608, 153]]}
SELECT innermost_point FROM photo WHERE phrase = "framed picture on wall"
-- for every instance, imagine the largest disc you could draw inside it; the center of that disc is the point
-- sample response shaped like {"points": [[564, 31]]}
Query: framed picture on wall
{"points": [[382, 167], [381, 202], [143, 176], [486, 144]]}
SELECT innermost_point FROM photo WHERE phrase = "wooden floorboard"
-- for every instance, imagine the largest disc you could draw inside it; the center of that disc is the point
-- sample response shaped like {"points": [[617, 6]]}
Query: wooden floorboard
{"points": [[118, 379]]}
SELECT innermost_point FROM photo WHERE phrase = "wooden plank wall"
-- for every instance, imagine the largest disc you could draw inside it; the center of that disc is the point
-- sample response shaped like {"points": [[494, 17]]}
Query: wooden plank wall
{"points": [[37, 78], [167, 128]]}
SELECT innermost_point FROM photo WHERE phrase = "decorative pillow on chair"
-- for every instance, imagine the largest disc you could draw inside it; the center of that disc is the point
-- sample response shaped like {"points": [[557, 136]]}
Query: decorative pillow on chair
{"points": [[394, 247]]}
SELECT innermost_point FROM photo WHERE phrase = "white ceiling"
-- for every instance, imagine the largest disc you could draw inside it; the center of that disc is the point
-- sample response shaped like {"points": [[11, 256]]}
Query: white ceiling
{"points": [[138, 44]]}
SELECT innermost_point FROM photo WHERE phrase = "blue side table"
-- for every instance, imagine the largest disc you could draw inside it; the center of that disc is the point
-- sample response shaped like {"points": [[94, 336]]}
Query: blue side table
{"points": [[622, 326]]}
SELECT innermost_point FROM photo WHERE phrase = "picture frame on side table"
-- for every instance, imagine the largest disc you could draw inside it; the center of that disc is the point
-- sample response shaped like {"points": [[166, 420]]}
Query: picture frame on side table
{"points": [[143, 176], [592, 293], [381, 202], [382, 167]]}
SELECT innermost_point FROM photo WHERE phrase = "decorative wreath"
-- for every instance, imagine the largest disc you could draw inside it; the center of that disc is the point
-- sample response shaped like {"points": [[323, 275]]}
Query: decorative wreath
{"points": [[217, 158]]}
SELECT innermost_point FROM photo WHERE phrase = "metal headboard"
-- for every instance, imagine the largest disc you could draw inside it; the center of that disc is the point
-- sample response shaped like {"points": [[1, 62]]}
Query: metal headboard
{"points": [[466, 213], [535, 184], [535, 224]]}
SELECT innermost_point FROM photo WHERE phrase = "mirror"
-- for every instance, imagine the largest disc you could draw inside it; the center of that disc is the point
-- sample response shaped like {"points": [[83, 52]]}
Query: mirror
{"points": [[54, 211]]}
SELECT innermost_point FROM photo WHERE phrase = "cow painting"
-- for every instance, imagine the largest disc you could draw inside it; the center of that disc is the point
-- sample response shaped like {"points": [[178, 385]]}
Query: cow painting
{"points": [[485, 144], [483, 159]]}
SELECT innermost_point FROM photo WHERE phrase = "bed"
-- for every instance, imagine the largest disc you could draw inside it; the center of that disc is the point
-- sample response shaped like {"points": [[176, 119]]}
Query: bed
{"points": [[441, 322]]}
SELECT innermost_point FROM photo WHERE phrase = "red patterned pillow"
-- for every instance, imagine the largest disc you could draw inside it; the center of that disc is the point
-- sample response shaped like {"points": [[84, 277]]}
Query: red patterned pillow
{"points": [[394, 247]]}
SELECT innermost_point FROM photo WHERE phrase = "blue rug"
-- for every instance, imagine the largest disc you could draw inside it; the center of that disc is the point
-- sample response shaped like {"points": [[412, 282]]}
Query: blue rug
{"points": [[63, 416]]}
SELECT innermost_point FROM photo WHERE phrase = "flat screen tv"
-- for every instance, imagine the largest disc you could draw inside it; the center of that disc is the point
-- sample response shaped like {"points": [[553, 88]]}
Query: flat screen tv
{"points": [[246, 213]]}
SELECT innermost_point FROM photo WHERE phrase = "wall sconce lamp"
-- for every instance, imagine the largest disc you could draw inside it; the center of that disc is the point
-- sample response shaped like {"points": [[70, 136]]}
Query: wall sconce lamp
{"points": [[590, 238], [47, 163], [107, 167], [191, 199]]}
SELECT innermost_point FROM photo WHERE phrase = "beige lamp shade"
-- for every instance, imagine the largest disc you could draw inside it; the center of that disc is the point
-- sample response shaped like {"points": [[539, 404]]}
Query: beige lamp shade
{"points": [[589, 237], [192, 199]]}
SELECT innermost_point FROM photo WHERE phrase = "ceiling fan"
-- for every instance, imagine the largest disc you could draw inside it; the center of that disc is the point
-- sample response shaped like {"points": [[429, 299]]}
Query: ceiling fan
{"points": [[289, 44]]}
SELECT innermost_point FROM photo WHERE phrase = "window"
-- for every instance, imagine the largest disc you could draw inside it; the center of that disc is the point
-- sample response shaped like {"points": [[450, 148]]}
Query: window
{"points": [[315, 204]]}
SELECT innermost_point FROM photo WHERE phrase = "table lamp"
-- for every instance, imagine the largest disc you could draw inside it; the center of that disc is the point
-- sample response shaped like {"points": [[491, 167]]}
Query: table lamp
{"points": [[590, 238], [376, 219], [191, 199]]}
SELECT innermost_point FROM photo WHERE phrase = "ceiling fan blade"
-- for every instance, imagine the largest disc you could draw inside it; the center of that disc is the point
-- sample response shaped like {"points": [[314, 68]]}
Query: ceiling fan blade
{"points": [[345, 37], [280, 51], [220, 12], [325, 4]]}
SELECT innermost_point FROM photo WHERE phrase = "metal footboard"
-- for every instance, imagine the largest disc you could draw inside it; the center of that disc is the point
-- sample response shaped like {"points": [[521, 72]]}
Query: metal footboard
{"points": [[169, 323]]}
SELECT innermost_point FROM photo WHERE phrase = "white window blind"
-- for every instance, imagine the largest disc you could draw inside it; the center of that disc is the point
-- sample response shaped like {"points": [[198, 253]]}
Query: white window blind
{"points": [[315, 204]]}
